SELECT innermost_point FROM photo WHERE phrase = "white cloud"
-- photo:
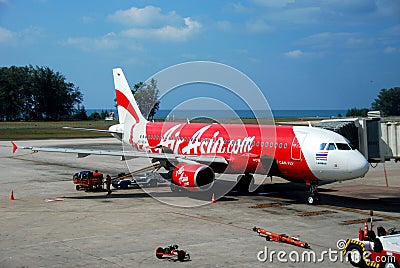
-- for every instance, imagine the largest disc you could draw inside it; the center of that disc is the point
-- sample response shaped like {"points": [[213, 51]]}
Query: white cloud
{"points": [[258, 26], [394, 31], [6, 35], [332, 12], [352, 7], [273, 3], [88, 19], [390, 50], [168, 32], [26, 36], [294, 54], [299, 54], [149, 16], [334, 40], [239, 8], [109, 41], [150, 23], [224, 25]]}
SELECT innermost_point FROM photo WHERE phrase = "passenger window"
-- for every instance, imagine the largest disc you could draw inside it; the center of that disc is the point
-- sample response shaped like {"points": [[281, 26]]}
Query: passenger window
{"points": [[322, 146], [331, 146]]}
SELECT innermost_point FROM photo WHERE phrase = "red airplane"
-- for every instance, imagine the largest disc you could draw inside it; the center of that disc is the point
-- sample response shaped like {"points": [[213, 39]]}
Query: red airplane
{"points": [[194, 152]]}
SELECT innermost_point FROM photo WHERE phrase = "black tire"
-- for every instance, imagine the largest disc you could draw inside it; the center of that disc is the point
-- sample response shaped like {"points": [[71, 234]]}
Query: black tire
{"points": [[159, 252], [153, 183], [313, 199], [77, 187], [174, 187], [355, 255], [124, 185], [390, 265], [243, 183], [181, 255]]}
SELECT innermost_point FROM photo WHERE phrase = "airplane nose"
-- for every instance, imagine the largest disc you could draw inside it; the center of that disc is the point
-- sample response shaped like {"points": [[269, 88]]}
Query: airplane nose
{"points": [[358, 166]]}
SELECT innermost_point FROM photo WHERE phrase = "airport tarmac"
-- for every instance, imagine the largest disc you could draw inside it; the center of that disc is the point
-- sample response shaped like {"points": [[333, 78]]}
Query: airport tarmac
{"points": [[50, 224]]}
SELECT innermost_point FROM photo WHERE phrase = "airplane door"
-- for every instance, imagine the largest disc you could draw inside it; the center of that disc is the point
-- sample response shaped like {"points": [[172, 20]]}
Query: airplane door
{"points": [[296, 146]]}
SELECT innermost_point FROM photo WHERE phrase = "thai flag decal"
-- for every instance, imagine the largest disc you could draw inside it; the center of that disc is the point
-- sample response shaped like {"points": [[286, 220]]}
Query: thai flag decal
{"points": [[321, 156]]}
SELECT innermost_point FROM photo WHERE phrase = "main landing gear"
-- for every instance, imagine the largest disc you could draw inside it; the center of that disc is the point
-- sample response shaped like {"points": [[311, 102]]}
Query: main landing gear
{"points": [[314, 197], [244, 183]]}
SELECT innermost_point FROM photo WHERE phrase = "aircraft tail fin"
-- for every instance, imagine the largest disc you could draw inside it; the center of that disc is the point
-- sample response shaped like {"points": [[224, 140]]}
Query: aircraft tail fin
{"points": [[126, 103]]}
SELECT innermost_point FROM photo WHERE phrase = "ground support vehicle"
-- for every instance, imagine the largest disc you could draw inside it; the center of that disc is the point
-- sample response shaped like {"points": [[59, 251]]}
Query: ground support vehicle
{"points": [[126, 183], [173, 253], [84, 180], [147, 179], [371, 250]]}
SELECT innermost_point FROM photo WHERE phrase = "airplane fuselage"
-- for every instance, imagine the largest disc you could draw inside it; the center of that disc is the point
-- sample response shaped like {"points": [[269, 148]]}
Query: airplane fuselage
{"points": [[294, 153]]}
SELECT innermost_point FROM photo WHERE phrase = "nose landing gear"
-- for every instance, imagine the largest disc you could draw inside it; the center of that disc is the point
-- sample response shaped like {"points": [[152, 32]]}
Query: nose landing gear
{"points": [[314, 197]]}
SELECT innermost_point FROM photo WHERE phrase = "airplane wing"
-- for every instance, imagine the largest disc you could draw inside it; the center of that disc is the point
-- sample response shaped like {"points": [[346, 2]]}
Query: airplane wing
{"points": [[127, 154], [93, 130]]}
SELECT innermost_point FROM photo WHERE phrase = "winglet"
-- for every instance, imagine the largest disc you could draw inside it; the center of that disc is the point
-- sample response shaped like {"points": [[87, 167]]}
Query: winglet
{"points": [[15, 147]]}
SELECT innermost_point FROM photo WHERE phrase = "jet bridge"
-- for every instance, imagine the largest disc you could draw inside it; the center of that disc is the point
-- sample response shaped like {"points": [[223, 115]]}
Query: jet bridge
{"points": [[377, 138]]}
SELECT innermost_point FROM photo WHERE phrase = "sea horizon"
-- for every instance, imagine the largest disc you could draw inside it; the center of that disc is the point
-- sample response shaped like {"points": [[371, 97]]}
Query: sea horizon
{"points": [[224, 114]]}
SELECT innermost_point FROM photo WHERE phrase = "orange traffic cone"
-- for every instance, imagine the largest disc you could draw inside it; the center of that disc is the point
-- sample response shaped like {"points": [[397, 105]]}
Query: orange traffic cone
{"points": [[212, 199], [365, 229], [12, 195]]}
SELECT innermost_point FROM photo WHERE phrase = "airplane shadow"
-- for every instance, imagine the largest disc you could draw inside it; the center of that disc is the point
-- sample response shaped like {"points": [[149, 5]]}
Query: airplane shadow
{"points": [[297, 194], [291, 193], [125, 194], [114, 195]]}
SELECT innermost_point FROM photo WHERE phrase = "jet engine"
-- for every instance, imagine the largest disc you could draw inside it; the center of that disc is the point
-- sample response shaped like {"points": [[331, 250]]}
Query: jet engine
{"points": [[193, 177]]}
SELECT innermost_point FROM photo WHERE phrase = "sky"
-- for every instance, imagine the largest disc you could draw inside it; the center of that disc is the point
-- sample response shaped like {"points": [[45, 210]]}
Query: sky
{"points": [[309, 54]]}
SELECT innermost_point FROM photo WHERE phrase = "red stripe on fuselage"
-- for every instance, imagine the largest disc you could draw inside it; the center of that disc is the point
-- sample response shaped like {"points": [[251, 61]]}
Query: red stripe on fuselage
{"points": [[123, 101]]}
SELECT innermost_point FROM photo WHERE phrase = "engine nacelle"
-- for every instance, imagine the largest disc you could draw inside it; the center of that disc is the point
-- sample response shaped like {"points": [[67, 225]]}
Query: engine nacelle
{"points": [[193, 177]]}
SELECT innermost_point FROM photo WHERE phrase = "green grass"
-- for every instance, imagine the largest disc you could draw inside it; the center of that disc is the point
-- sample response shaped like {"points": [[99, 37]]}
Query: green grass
{"points": [[51, 130]]}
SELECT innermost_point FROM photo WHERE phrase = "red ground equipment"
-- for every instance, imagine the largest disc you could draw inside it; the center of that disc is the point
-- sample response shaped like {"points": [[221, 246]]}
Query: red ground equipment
{"points": [[381, 249], [280, 238], [85, 180], [172, 252]]}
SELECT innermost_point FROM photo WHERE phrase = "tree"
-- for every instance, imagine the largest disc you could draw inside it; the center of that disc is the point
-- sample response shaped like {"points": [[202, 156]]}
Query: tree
{"points": [[357, 112], [103, 114], [55, 98], [36, 93], [94, 116], [80, 113], [146, 96], [388, 101], [15, 93]]}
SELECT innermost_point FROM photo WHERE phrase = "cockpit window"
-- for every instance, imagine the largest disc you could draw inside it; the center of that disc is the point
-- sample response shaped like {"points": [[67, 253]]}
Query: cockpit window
{"points": [[322, 146], [331, 146], [343, 146]]}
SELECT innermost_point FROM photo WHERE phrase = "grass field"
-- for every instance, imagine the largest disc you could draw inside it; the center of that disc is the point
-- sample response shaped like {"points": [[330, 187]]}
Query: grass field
{"points": [[51, 130]]}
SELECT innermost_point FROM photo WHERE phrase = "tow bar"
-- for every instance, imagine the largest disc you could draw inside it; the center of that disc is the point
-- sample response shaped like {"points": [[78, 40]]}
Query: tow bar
{"points": [[280, 238]]}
